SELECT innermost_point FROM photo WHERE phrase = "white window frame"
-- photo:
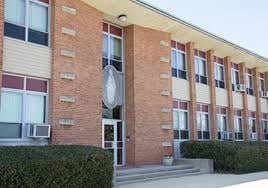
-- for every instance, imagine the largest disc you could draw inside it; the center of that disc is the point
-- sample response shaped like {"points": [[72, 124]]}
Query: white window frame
{"points": [[179, 129], [177, 62], [250, 119], [248, 82], [109, 43], [203, 113], [260, 81], [24, 92], [26, 26], [238, 117], [197, 69], [262, 120], [217, 69]]}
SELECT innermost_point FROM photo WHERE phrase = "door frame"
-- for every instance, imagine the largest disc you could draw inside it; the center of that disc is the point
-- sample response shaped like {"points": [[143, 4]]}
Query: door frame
{"points": [[114, 123]]}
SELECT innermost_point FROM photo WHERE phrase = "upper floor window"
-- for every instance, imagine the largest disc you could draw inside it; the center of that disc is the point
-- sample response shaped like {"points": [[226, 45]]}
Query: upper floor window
{"points": [[262, 82], [222, 123], [180, 120], [219, 72], [252, 125], [265, 126], [179, 67], [27, 20], [200, 67], [235, 75], [203, 129], [112, 44], [238, 127], [250, 89], [24, 100]]}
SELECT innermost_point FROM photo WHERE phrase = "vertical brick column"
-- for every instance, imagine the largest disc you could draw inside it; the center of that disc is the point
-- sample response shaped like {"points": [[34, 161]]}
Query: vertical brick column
{"points": [[256, 85], [211, 83], [191, 76], [1, 41], [75, 109], [147, 106], [266, 80], [242, 71], [228, 81]]}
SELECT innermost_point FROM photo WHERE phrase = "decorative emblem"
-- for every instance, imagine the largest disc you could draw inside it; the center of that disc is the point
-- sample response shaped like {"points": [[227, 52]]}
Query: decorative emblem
{"points": [[110, 87]]}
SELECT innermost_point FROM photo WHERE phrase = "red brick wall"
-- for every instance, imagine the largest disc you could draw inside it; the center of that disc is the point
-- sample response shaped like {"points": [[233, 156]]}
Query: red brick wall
{"points": [[1, 39], [87, 65], [143, 95], [256, 85]]}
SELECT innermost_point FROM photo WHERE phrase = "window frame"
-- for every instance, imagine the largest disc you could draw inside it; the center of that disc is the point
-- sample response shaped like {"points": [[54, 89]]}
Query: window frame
{"points": [[24, 93], [197, 70], [238, 117], [250, 91], [179, 129], [200, 113], [177, 63], [109, 35], [261, 80], [233, 77], [217, 67], [219, 115], [26, 26], [263, 133], [250, 120]]}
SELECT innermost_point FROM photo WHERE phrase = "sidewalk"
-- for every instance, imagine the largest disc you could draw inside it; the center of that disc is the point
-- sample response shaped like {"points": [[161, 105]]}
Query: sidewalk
{"points": [[258, 180]]}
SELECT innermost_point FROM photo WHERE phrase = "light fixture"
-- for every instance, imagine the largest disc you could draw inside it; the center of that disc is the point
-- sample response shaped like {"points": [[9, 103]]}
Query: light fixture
{"points": [[122, 18]]}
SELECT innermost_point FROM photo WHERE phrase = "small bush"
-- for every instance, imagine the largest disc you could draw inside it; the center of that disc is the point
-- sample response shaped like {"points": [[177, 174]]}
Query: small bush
{"points": [[230, 157], [55, 166]]}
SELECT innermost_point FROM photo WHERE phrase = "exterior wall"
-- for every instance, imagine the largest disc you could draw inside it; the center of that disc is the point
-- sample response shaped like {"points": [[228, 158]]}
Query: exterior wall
{"points": [[251, 103], [221, 97], [146, 109], [180, 89], [257, 103], [238, 100], [1, 40], [202, 93], [84, 58], [25, 58], [263, 105]]}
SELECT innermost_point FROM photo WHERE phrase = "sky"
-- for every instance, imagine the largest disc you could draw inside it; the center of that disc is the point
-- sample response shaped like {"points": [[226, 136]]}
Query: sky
{"points": [[243, 22]]}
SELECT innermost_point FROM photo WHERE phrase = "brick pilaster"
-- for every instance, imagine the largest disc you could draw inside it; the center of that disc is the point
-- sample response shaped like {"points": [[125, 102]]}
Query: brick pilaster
{"points": [[211, 83], [242, 71], [266, 80], [1, 40], [191, 76], [256, 85], [228, 81]]}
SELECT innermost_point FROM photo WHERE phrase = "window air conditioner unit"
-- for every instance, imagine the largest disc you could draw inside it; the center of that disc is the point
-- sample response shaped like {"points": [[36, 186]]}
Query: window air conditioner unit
{"points": [[264, 94], [253, 136], [38, 130], [240, 87]]}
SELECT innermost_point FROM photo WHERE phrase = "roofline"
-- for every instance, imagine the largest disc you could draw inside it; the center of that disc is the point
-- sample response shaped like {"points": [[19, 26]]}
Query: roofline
{"points": [[173, 17]]}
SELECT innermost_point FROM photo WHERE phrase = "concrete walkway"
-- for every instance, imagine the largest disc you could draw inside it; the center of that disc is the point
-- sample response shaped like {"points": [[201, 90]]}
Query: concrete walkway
{"points": [[254, 180]]}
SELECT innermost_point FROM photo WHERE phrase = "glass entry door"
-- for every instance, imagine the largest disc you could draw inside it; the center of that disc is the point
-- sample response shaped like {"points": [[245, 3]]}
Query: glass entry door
{"points": [[112, 139]]}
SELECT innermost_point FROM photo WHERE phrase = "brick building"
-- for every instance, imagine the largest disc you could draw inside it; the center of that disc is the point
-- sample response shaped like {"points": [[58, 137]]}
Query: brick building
{"points": [[125, 76]]}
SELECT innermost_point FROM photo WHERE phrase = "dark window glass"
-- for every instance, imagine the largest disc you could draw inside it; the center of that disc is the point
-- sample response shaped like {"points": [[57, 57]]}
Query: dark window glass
{"points": [[38, 37], [14, 31], [250, 91], [265, 136], [206, 135], [203, 79], [184, 135], [182, 74], [174, 73], [117, 65], [197, 78], [199, 134], [104, 62], [176, 134], [239, 136], [221, 84]]}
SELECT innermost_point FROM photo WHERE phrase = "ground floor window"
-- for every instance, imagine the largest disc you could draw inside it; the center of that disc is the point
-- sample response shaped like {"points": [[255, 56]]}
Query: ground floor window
{"points": [[265, 126], [252, 126], [180, 120], [238, 127], [203, 128], [23, 101], [222, 123]]}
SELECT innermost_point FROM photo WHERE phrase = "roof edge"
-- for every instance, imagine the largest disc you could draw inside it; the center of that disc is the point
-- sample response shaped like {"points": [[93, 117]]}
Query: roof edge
{"points": [[175, 18]]}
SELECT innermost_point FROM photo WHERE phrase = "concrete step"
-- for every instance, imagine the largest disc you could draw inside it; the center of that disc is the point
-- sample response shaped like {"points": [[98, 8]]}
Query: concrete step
{"points": [[154, 174], [151, 169], [157, 178]]}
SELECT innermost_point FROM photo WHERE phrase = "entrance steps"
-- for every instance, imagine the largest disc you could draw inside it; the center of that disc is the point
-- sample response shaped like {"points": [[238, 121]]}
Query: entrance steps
{"points": [[150, 173]]}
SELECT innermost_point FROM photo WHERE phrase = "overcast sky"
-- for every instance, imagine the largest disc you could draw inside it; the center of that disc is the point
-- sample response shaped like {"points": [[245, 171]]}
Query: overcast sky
{"points": [[243, 22]]}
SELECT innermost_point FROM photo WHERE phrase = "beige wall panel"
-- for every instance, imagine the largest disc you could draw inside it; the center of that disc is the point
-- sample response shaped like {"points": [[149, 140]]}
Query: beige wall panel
{"points": [[180, 89], [202, 93], [251, 103], [264, 105], [221, 97], [27, 59], [238, 100]]}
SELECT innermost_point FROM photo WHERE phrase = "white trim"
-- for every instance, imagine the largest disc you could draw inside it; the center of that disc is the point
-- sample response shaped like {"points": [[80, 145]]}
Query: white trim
{"points": [[216, 75]]}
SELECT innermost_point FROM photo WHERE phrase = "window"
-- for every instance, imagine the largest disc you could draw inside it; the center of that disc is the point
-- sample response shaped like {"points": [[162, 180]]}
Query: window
{"points": [[180, 120], [235, 75], [238, 127], [222, 123], [112, 52], [200, 67], [179, 69], [252, 126], [250, 90], [31, 26], [23, 101], [203, 130], [265, 126], [262, 83], [219, 72]]}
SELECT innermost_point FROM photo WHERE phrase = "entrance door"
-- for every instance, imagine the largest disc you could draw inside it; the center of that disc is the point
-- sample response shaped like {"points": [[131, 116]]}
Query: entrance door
{"points": [[112, 139]]}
